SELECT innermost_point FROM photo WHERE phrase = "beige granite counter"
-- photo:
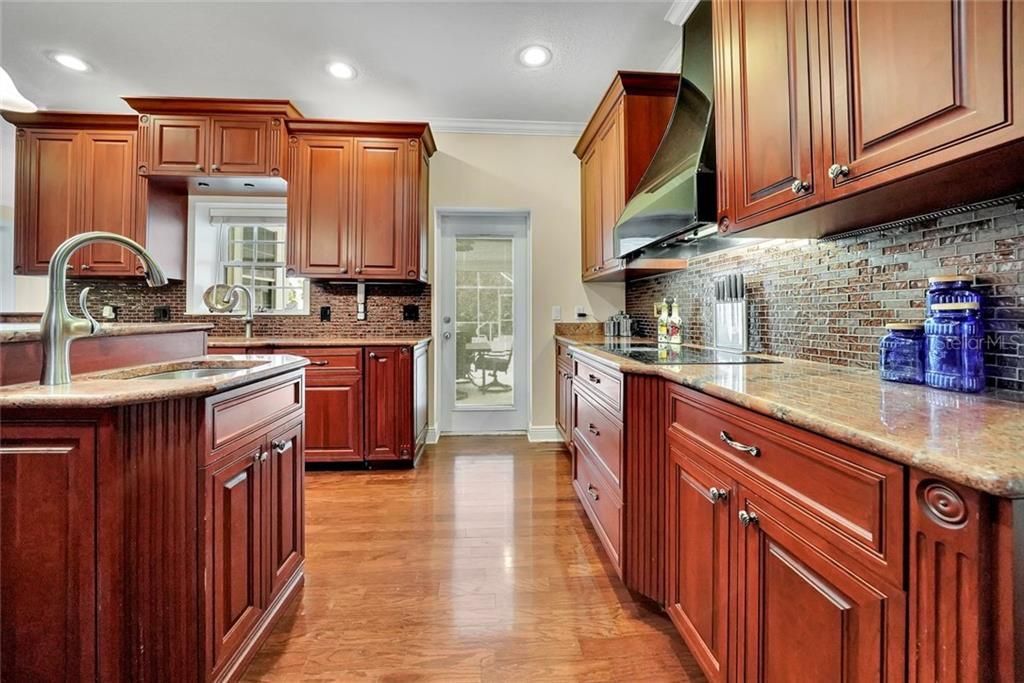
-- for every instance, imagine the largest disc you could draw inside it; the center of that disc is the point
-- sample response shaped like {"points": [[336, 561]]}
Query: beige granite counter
{"points": [[975, 440], [284, 342], [21, 332], [117, 387]]}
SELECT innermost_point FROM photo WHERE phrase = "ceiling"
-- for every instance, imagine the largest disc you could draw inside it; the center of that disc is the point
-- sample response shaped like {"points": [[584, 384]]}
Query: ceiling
{"points": [[451, 63]]}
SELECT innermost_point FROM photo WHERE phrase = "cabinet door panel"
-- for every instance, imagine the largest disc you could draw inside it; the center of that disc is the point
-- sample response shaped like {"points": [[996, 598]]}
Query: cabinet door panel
{"points": [[804, 616], [613, 171], [108, 201], [776, 136], [915, 84], [240, 146], [235, 597], [592, 245], [323, 211], [47, 474], [386, 416], [49, 197], [179, 145], [380, 217], [285, 529], [700, 529], [334, 416]]}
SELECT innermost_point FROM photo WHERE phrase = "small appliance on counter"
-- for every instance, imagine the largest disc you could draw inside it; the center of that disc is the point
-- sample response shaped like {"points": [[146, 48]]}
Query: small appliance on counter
{"points": [[731, 313], [619, 325]]}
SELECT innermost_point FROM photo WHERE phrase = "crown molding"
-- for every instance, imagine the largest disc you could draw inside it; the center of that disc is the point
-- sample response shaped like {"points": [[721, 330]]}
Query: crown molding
{"points": [[507, 127], [680, 10]]}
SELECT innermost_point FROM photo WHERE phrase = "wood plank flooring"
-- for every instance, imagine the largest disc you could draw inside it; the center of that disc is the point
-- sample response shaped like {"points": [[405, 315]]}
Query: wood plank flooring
{"points": [[479, 565]]}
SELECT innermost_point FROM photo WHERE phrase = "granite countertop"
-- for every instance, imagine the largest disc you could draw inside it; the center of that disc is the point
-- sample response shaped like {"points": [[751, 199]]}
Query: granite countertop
{"points": [[283, 342], [116, 387], [21, 332], [970, 439]]}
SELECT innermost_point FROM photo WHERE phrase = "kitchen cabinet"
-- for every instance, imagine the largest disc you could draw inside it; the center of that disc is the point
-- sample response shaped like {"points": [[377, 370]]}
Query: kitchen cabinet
{"points": [[75, 173], [844, 114], [186, 136], [334, 416], [614, 151], [360, 193], [387, 398], [563, 392], [156, 539]]}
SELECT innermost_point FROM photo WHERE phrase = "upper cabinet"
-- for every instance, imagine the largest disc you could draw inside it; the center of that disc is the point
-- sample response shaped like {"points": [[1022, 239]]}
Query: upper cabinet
{"points": [[357, 199], [614, 151], [842, 114], [75, 173], [183, 136]]}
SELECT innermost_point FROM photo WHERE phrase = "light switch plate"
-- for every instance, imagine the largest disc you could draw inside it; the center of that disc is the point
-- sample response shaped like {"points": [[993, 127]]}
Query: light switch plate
{"points": [[556, 313]]}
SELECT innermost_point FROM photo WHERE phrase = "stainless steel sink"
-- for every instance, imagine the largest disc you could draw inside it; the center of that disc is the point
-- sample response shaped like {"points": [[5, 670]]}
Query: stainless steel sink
{"points": [[190, 373]]}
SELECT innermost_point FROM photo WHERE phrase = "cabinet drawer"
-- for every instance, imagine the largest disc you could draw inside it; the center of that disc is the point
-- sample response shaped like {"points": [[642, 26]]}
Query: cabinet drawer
{"points": [[600, 500], [599, 433], [604, 384], [562, 356], [343, 359], [848, 497], [242, 411]]}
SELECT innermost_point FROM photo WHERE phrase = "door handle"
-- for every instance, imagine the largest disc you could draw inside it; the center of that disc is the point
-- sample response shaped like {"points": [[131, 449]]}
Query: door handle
{"points": [[447, 335]]}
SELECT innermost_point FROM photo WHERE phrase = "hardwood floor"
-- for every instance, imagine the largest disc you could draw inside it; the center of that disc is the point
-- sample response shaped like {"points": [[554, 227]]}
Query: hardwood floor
{"points": [[479, 565]]}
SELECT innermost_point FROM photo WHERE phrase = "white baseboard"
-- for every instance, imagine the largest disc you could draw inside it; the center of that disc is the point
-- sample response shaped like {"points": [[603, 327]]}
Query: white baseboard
{"points": [[432, 434], [538, 434]]}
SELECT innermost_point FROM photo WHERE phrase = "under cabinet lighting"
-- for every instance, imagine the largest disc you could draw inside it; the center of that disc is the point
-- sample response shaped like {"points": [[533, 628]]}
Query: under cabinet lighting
{"points": [[341, 70], [69, 61]]}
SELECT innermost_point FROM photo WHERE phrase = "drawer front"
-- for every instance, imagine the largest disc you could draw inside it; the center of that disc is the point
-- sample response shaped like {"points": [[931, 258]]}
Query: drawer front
{"points": [[846, 496], [343, 359], [245, 410], [603, 506], [562, 356], [604, 384], [601, 434]]}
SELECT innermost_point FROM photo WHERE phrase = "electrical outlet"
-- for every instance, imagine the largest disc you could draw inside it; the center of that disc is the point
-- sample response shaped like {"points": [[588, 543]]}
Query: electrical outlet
{"points": [[410, 312], [581, 312], [325, 314], [556, 313], [161, 313]]}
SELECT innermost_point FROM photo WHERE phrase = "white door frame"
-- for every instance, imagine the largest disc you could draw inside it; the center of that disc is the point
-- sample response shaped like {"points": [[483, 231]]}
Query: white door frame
{"points": [[464, 222]]}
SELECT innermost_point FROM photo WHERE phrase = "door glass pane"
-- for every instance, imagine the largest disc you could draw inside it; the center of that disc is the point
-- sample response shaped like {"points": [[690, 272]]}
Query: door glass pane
{"points": [[483, 322]]}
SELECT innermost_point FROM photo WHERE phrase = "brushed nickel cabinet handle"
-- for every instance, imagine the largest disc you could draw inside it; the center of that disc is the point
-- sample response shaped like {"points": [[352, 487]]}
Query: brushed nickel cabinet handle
{"points": [[282, 445], [592, 492], [799, 186], [593, 430], [748, 518], [752, 451], [836, 171], [594, 379], [717, 494]]}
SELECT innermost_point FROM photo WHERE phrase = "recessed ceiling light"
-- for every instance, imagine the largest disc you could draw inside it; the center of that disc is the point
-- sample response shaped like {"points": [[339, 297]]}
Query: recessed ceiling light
{"points": [[341, 70], [534, 56], [69, 61]]}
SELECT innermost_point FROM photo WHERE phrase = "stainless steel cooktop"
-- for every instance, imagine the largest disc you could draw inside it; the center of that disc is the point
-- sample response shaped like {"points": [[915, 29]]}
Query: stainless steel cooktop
{"points": [[674, 354]]}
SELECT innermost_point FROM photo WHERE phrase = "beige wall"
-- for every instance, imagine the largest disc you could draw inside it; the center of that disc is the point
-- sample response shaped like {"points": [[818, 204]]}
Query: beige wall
{"points": [[541, 175]]}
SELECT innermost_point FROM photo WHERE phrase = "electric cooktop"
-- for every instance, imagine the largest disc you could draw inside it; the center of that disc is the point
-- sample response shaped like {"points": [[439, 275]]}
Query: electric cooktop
{"points": [[673, 354]]}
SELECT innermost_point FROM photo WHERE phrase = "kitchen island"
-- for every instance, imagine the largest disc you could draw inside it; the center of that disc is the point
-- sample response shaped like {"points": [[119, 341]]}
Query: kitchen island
{"points": [[876, 525], [152, 518]]}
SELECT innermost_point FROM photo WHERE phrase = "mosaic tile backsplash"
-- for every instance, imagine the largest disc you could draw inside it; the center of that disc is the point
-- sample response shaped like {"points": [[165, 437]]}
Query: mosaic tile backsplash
{"points": [[136, 301], [829, 300]]}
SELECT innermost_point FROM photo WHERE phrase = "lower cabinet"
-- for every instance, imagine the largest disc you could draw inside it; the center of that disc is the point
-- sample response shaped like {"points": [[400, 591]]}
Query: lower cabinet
{"points": [[334, 416], [563, 402]]}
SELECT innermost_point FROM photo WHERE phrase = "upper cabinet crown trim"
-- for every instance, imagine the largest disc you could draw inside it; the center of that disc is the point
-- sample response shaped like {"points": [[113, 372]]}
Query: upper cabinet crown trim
{"points": [[402, 129], [625, 83], [70, 119], [213, 105]]}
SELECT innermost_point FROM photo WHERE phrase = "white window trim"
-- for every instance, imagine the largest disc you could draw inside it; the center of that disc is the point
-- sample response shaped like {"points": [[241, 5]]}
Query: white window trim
{"points": [[199, 224]]}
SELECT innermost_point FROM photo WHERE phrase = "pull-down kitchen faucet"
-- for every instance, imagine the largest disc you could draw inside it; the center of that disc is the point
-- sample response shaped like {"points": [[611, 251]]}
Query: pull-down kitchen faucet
{"points": [[58, 327], [223, 299]]}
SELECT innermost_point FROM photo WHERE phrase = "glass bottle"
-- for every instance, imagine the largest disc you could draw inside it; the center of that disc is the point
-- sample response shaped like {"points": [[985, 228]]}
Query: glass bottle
{"points": [[901, 353], [950, 289], [954, 339], [663, 322], [675, 325]]}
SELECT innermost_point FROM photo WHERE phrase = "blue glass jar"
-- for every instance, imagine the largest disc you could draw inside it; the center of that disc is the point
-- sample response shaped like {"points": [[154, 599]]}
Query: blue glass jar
{"points": [[950, 289], [901, 353], [955, 339]]}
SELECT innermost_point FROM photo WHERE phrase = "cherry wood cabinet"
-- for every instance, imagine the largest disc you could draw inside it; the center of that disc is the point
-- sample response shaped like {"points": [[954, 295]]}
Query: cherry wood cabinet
{"points": [[188, 136], [75, 173], [334, 416], [387, 397], [563, 391], [284, 542], [614, 151], [358, 198], [844, 114]]}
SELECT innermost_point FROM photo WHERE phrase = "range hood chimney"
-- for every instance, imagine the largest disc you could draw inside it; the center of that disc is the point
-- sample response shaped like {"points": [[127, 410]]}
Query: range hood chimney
{"points": [[675, 207]]}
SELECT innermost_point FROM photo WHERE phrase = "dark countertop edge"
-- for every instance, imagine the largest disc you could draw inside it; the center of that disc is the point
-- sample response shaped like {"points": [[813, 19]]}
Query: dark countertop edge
{"points": [[119, 330], [313, 342], [979, 479], [197, 388]]}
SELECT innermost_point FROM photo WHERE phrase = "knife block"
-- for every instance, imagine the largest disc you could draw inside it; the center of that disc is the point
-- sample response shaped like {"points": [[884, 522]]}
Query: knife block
{"points": [[731, 325]]}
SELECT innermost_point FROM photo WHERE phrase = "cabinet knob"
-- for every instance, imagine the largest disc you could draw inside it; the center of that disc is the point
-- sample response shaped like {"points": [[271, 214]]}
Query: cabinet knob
{"points": [[717, 494], [215, 168], [282, 445], [799, 186], [359, 270], [748, 518], [372, 354], [86, 266], [592, 492], [199, 167], [837, 171], [343, 269]]}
